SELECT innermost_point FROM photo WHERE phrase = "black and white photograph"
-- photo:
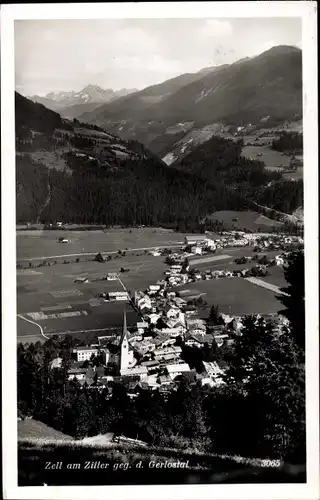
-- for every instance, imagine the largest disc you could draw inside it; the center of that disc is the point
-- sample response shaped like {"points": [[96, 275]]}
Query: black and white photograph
{"points": [[161, 249]]}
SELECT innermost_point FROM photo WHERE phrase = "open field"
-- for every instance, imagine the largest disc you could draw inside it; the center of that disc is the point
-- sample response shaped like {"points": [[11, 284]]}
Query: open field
{"points": [[40, 244], [273, 160], [248, 219], [270, 157], [233, 296], [296, 175]]}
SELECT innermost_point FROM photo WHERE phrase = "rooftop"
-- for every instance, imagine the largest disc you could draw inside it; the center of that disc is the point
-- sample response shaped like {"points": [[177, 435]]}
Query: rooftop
{"points": [[179, 367]]}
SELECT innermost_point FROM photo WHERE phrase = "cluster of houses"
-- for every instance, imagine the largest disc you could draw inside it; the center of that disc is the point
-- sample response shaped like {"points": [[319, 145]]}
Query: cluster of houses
{"points": [[263, 241], [151, 356], [151, 353]]}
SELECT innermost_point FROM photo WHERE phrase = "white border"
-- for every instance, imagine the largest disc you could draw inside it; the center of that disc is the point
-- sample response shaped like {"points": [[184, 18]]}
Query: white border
{"points": [[305, 10]]}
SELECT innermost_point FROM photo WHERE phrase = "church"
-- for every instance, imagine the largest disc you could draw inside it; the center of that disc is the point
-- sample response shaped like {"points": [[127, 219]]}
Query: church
{"points": [[117, 353], [126, 358]]}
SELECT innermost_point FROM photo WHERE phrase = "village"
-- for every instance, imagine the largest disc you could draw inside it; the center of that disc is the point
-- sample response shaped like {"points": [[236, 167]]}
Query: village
{"points": [[174, 337]]}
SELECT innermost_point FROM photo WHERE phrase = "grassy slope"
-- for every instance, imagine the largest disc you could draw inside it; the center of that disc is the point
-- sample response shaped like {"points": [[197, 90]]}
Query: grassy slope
{"points": [[131, 465], [35, 430]]}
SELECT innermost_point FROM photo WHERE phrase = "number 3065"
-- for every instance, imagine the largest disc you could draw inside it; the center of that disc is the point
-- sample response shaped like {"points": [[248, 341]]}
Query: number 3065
{"points": [[270, 463]]}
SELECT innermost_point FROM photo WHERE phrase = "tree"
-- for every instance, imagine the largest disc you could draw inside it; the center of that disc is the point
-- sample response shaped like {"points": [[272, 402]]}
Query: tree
{"points": [[200, 302], [294, 300], [214, 314], [265, 369], [99, 258]]}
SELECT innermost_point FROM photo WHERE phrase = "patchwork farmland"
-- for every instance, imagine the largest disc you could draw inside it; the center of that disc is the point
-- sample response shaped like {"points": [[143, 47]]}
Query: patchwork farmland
{"points": [[49, 296]]}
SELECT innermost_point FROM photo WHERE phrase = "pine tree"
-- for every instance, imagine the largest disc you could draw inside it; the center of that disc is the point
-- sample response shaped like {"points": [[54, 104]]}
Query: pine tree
{"points": [[294, 300], [214, 314]]}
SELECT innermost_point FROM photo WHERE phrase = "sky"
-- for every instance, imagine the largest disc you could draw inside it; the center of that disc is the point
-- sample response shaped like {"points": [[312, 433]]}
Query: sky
{"points": [[65, 55]]}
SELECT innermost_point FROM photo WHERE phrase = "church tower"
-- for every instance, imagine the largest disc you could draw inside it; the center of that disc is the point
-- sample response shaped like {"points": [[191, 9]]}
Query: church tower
{"points": [[124, 346]]}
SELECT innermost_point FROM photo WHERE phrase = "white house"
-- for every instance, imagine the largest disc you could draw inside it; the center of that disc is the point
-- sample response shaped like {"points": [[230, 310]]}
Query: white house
{"points": [[143, 346], [176, 267], [172, 312], [196, 326], [173, 332], [142, 326], [174, 280], [195, 239], [118, 296], [207, 381], [214, 371], [141, 371], [279, 260], [170, 349], [177, 369], [196, 250], [144, 302], [78, 373], [184, 278], [153, 317], [209, 243], [85, 353], [112, 276]]}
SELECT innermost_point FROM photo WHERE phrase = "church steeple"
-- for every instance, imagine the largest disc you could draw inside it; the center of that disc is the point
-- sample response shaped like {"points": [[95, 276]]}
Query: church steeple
{"points": [[124, 334], [124, 346]]}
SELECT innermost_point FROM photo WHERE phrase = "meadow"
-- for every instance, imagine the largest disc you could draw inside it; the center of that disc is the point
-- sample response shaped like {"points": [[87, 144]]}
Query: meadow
{"points": [[233, 296], [248, 219], [270, 157], [41, 244]]}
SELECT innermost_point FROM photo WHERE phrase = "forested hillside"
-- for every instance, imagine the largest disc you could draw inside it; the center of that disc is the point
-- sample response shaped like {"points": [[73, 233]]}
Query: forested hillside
{"points": [[140, 192], [220, 160], [80, 173]]}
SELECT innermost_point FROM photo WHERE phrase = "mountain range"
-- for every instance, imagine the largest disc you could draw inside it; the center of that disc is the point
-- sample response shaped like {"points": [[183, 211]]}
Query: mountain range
{"points": [[72, 104], [82, 173], [257, 90]]}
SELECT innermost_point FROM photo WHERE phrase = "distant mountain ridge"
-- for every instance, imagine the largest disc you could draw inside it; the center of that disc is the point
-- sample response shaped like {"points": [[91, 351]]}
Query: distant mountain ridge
{"points": [[71, 104], [154, 94]]}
